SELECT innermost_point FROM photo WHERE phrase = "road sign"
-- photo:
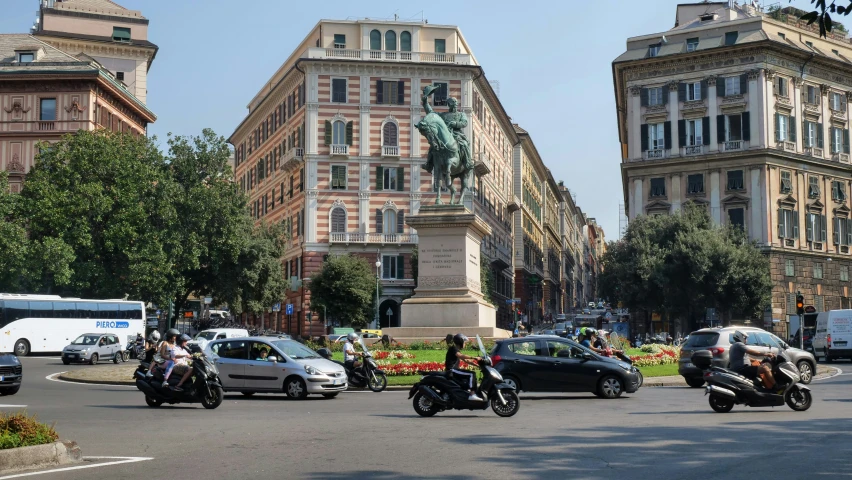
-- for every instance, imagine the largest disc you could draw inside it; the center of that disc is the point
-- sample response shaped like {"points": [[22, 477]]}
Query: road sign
{"points": [[158, 313], [208, 300], [289, 309], [276, 307], [516, 300], [608, 316]]}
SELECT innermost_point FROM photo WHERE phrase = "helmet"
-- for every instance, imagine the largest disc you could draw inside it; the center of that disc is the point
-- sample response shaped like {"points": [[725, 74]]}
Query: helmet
{"points": [[172, 332], [591, 331], [325, 353], [459, 339], [583, 331], [352, 336], [154, 337], [185, 338], [739, 336]]}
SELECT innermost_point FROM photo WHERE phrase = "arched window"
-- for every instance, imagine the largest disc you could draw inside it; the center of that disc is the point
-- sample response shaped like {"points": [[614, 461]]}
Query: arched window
{"points": [[338, 135], [375, 40], [338, 220], [389, 221], [390, 40], [389, 135], [405, 41]]}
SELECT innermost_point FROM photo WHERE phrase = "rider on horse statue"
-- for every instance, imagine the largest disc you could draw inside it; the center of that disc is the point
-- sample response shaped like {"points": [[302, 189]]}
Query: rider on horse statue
{"points": [[456, 121]]}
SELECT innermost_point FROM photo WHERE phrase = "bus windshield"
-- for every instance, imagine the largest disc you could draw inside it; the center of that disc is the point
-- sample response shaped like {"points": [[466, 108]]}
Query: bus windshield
{"points": [[86, 340]]}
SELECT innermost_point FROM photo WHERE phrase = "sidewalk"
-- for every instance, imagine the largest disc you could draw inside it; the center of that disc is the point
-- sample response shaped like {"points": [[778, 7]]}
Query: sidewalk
{"points": [[123, 375]]}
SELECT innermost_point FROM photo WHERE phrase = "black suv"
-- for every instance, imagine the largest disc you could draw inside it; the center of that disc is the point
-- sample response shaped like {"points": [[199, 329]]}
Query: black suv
{"points": [[11, 373], [555, 364]]}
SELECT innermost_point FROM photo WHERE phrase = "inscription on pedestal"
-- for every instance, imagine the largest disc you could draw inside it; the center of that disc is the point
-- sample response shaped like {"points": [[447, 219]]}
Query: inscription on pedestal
{"points": [[440, 258]]}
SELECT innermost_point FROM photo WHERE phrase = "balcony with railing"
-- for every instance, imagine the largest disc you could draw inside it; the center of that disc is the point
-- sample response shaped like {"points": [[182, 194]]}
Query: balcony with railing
{"points": [[655, 154], [482, 165], [498, 255], [388, 56], [840, 157], [360, 238], [292, 157], [813, 152], [339, 150], [732, 145], [390, 151], [692, 150], [46, 126]]}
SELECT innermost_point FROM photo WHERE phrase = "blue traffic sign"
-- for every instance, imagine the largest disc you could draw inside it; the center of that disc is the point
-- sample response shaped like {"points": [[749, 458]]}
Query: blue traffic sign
{"points": [[289, 310], [276, 307], [158, 313]]}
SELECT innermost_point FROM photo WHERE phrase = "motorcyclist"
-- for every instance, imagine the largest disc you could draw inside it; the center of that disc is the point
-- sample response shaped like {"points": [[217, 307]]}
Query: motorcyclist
{"points": [[591, 336], [451, 365], [151, 346], [167, 353], [746, 367], [349, 353], [601, 344], [181, 356]]}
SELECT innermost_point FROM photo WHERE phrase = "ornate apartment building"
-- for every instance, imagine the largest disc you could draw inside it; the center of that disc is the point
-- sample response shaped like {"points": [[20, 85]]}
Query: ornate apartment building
{"points": [[329, 146], [745, 112]]}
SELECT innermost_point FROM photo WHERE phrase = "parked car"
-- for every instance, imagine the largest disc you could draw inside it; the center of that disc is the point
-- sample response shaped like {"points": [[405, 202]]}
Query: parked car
{"points": [[91, 347], [833, 338], [718, 342], [205, 336], [555, 364], [11, 374], [562, 329], [289, 367]]}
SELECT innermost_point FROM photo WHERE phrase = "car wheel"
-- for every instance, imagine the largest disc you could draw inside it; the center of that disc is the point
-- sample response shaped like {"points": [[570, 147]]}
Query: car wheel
{"points": [[330, 395], [22, 347], [126, 357], [694, 382], [152, 402], [9, 390], [827, 358], [806, 372], [611, 386], [117, 358], [94, 359], [641, 377], [721, 404], [248, 394], [513, 382], [295, 388]]}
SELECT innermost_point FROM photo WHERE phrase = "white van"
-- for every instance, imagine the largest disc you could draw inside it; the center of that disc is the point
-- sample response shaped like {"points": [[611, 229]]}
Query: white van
{"points": [[205, 336], [833, 338]]}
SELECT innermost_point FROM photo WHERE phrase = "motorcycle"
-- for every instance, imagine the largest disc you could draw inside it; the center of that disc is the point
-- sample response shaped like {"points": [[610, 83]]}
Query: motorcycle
{"points": [[133, 350], [728, 388], [436, 392], [366, 375], [204, 388]]}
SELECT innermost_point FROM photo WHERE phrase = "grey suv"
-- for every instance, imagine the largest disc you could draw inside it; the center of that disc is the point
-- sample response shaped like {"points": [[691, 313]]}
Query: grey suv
{"points": [[718, 342]]}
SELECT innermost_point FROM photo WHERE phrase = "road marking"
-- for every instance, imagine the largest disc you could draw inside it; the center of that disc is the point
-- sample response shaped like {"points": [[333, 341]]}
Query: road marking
{"points": [[118, 461], [52, 378], [837, 372], [13, 406]]}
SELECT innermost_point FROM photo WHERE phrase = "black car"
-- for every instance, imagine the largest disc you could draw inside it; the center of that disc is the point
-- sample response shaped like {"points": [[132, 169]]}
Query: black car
{"points": [[556, 364], [562, 329], [11, 373]]}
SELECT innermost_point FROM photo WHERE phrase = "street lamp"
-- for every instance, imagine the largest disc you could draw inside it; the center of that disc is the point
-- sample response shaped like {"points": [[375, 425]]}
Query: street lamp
{"points": [[376, 317], [310, 327]]}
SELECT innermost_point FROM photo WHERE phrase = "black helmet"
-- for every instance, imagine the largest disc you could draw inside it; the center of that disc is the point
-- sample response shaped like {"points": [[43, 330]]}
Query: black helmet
{"points": [[449, 339], [739, 336], [172, 332], [185, 338], [324, 353], [459, 340], [591, 331]]}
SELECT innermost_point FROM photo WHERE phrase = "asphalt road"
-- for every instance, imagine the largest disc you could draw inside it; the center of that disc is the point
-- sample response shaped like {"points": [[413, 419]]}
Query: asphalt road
{"points": [[656, 433]]}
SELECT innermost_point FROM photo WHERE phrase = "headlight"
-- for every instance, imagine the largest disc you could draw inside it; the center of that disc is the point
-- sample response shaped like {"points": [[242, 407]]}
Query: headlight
{"points": [[625, 366], [311, 370]]}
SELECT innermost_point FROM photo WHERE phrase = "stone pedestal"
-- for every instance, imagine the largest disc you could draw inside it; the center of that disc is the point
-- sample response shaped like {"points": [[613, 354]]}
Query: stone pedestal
{"points": [[448, 297]]}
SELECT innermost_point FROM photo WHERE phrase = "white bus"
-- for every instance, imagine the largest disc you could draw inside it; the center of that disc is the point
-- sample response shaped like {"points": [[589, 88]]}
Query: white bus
{"points": [[48, 323]]}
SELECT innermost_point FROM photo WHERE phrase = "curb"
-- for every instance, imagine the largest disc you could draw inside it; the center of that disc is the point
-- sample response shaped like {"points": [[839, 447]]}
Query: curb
{"points": [[57, 453], [65, 378]]}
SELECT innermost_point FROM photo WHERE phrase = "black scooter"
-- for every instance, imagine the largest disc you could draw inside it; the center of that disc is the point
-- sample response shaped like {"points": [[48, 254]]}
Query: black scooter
{"points": [[728, 388], [366, 375], [435, 392], [205, 387]]}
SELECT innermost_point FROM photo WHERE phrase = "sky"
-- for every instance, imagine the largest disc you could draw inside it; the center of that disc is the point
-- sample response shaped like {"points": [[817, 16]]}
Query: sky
{"points": [[552, 59]]}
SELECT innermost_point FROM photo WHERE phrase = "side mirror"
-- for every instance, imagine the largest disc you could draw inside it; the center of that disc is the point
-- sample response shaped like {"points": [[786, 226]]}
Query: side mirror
{"points": [[272, 358], [587, 356]]}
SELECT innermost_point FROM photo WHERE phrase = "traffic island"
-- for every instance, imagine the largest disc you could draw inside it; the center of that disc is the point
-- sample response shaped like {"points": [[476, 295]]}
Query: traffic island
{"points": [[39, 456], [106, 375]]}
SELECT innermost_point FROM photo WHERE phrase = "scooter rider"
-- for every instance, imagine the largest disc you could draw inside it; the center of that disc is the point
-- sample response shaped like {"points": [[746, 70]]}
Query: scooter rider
{"points": [[151, 346], [349, 352], [454, 371], [741, 364]]}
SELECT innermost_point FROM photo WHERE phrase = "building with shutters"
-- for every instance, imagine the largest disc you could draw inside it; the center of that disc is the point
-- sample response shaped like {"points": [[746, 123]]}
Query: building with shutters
{"points": [[329, 147], [744, 112]]}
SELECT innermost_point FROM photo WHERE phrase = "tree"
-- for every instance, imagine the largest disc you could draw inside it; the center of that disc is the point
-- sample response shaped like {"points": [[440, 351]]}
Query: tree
{"points": [[345, 286], [822, 14]]}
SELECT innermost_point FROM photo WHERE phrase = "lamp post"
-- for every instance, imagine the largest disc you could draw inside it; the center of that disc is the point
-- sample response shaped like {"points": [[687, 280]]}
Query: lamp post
{"points": [[376, 317], [310, 327]]}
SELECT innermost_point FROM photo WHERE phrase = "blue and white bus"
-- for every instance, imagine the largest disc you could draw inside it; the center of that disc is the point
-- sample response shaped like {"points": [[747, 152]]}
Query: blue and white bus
{"points": [[48, 323]]}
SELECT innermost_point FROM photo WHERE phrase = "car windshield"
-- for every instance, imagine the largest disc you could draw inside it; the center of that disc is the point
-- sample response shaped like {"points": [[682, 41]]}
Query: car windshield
{"points": [[295, 350], [86, 340], [206, 335], [559, 326], [702, 339]]}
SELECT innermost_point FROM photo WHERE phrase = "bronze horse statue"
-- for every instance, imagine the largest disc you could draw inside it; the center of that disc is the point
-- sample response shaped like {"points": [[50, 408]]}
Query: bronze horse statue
{"points": [[445, 152]]}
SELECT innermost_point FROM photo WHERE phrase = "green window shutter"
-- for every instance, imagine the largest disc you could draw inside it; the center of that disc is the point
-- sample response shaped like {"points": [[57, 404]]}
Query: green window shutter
{"points": [[349, 127], [780, 223], [400, 92], [746, 122], [845, 140], [328, 132], [121, 34], [667, 134], [380, 92], [720, 87], [643, 133], [792, 129], [720, 128], [681, 92], [809, 230], [795, 224], [744, 83], [643, 97], [379, 220], [681, 133], [400, 267], [777, 128], [823, 225], [400, 178], [820, 139], [705, 130], [400, 221], [380, 178]]}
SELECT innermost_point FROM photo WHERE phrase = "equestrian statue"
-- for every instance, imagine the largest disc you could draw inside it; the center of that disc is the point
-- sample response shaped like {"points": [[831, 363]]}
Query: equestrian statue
{"points": [[449, 154]]}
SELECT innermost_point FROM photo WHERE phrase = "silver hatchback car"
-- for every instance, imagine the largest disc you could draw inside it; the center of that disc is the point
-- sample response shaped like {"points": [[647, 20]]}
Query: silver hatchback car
{"points": [[91, 347], [273, 365], [718, 342]]}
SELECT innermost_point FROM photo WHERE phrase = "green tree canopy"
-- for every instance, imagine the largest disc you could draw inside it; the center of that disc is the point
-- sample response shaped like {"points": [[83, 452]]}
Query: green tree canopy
{"points": [[346, 287]]}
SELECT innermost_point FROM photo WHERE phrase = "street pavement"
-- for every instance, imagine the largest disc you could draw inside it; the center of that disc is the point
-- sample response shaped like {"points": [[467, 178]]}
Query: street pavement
{"points": [[666, 432]]}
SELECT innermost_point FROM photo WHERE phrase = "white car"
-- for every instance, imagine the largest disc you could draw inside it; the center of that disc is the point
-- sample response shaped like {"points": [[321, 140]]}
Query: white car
{"points": [[833, 337], [205, 336], [273, 365]]}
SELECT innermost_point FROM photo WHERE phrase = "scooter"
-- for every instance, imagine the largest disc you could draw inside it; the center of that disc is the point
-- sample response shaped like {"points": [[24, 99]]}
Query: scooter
{"points": [[205, 388], [728, 388], [435, 392], [366, 375]]}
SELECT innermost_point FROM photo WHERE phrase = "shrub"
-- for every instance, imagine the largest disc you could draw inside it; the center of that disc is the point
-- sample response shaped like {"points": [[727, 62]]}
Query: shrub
{"points": [[651, 348], [22, 430]]}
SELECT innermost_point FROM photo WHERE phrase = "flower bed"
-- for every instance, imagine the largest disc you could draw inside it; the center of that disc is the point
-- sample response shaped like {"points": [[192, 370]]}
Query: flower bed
{"points": [[665, 355], [394, 354], [22, 430], [410, 368]]}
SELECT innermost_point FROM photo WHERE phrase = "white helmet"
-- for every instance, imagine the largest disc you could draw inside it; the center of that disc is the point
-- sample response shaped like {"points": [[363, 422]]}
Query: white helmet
{"points": [[154, 337], [352, 336]]}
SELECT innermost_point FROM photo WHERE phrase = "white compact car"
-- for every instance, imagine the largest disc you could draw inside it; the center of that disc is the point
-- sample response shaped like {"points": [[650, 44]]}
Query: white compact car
{"points": [[273, 365], [205, 336]]}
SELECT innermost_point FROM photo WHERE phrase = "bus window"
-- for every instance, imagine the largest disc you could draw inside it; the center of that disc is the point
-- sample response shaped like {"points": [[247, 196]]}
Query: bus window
{"points": [[107, 311], [64, 310], [130, 311], [41, 309], [87, 310], [16, 310]]}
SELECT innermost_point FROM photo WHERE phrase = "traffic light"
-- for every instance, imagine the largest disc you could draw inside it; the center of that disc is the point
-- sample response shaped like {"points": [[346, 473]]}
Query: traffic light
{"points": [[800, 304]]}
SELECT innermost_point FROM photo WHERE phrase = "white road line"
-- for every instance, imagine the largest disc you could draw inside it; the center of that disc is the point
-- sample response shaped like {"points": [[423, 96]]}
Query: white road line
{"points": [[13, 406], [118, 461], [52, 378]]}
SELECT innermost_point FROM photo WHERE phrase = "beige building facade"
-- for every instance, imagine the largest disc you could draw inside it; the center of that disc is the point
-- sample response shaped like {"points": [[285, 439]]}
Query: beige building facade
{"points": [[745, 112]]}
